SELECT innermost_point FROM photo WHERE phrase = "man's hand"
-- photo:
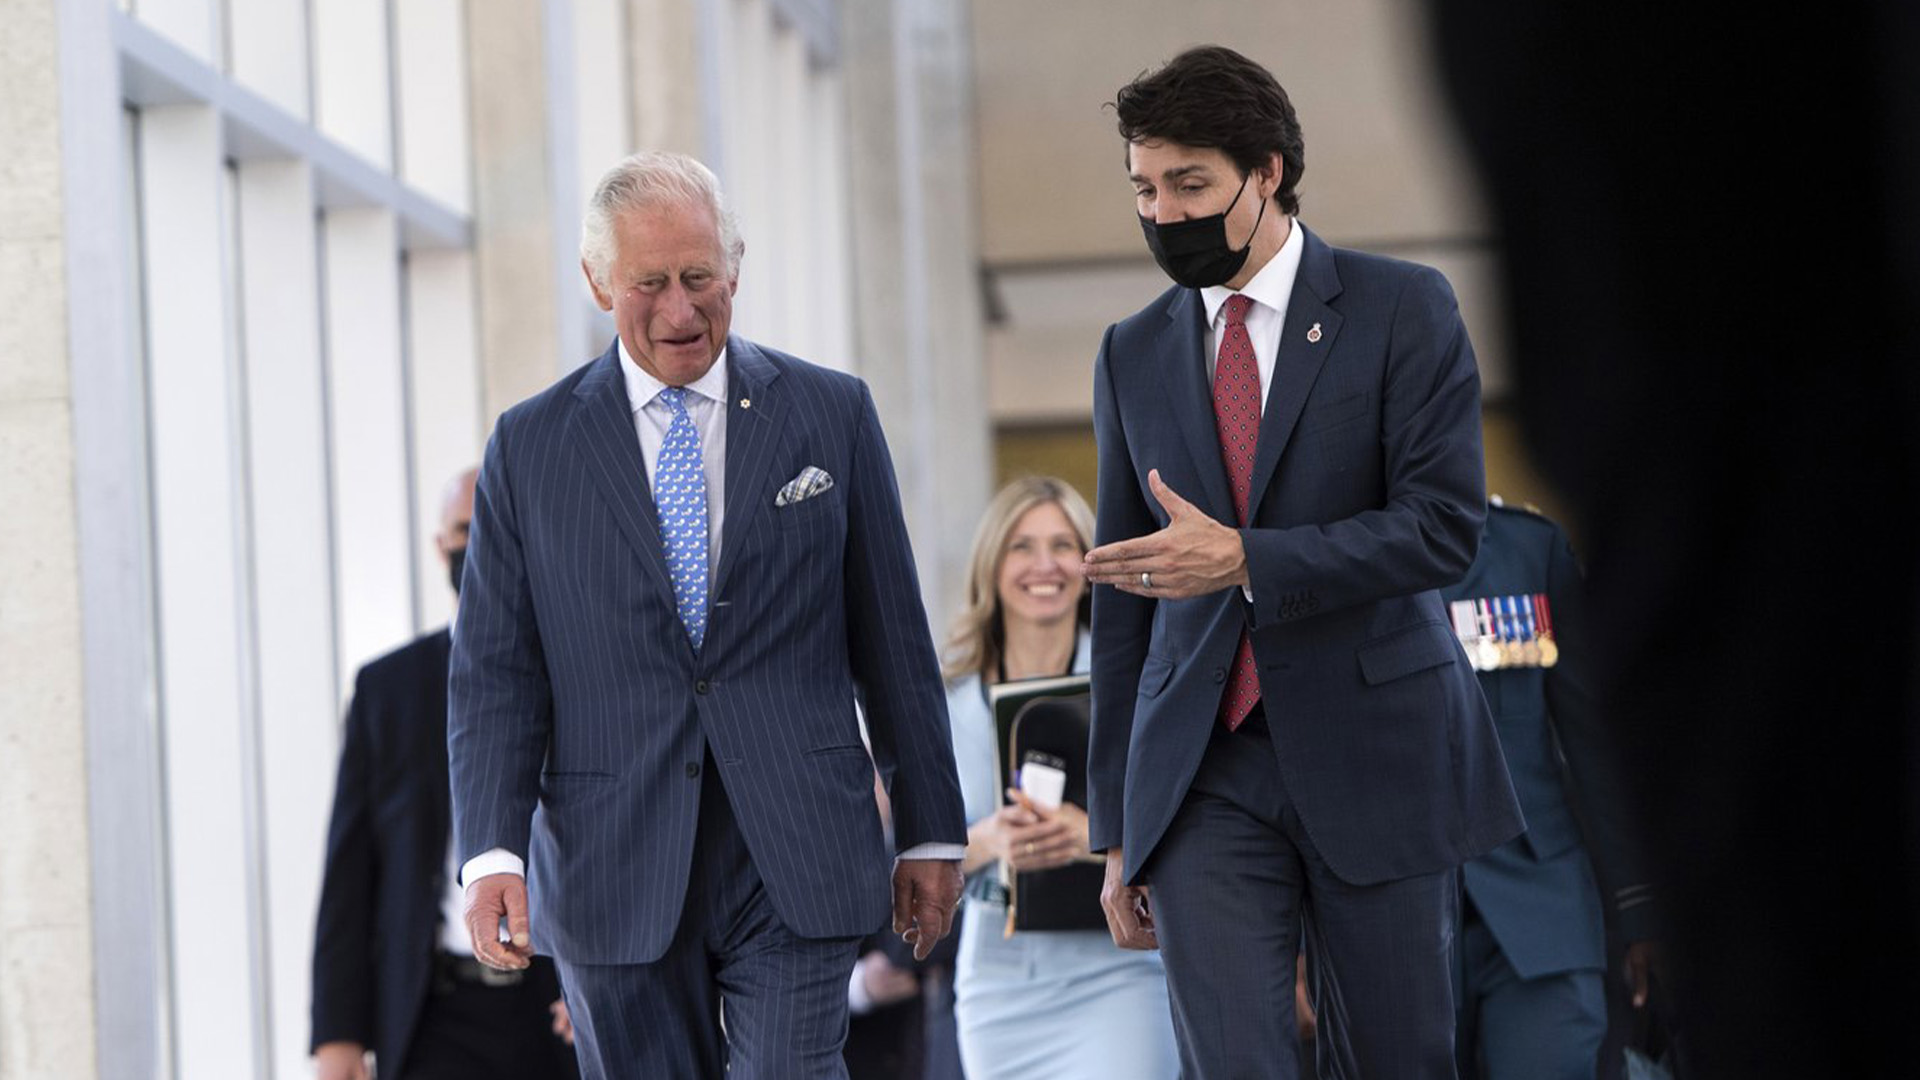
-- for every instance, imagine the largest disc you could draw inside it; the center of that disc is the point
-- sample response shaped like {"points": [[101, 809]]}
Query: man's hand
{"points": [[341, 1061], [490, 899], [1306, 1025], [1129, 915], [562, 1020], [1193, 556], [1643, 959], [925, 892]]}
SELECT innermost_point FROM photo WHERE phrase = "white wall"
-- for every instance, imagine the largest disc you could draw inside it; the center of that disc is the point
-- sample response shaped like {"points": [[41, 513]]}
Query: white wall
{"points": [[201, 581], [360, 279], [291, 520], [308, 368]]}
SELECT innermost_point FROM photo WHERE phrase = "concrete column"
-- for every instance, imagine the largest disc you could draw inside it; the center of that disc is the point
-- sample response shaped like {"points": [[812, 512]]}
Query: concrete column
{"points": [[46, 903], [512, 203], [916, 271], [663, 73]]}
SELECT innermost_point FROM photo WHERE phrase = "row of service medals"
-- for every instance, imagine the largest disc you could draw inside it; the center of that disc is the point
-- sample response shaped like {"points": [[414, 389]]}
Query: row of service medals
{"points": [[1506, 632]]}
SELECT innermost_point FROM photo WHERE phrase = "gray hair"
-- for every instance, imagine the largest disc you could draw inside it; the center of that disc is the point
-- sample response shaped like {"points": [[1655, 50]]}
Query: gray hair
{"points": [[650, 179]]}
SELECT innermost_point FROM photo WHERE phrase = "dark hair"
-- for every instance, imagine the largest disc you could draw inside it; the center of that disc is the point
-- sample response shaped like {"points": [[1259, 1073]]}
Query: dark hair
{"points": [[1211, 96]]}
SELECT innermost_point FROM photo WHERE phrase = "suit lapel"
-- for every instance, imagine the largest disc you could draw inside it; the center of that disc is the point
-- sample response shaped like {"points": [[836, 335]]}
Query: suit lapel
{"points": [[756, 415], [1183, 374], [1298, 362], [601, 430]]}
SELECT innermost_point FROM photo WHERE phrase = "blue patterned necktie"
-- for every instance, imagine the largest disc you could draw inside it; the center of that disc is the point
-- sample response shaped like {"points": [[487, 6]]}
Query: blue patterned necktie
{"points": [[680, 495]]}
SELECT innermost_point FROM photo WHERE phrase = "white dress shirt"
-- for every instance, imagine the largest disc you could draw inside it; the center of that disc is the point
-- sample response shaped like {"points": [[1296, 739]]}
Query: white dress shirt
{"points": [[706, 405], [453, 909], [1270, 289]]}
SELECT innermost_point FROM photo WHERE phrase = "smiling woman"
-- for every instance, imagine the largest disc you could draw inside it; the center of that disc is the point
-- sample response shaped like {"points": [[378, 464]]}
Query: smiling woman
{"points": [[1060, 1003], [1022, 541]]}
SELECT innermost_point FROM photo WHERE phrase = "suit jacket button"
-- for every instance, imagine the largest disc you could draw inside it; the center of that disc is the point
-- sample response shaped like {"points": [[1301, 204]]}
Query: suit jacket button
{"points": [[693, 770], [1219, 675], [701, 687]]}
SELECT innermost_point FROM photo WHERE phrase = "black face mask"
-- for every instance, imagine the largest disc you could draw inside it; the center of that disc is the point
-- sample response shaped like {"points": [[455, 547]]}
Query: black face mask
{"points": [[1195, 252], [456, 562]]}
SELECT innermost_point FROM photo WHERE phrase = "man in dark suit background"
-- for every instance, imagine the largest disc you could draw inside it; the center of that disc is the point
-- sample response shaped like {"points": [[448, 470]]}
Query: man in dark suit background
{"points": [[688, 560], [1286, 731], [1533, 948], [393, 971]]}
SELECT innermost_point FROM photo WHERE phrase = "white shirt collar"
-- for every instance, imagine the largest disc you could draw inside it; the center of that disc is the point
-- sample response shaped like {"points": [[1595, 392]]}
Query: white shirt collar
{"points": [[642, 388], [1271, 286]]}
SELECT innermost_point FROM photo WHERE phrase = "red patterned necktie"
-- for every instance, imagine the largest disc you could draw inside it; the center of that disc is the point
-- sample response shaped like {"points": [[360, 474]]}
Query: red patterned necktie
{"points": [[1236, 415]]}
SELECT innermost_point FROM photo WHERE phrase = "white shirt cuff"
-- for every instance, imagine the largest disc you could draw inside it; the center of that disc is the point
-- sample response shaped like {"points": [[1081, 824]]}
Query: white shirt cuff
{"points": [[949, 852], [1248, 590], [494, 861], [502, 861]]}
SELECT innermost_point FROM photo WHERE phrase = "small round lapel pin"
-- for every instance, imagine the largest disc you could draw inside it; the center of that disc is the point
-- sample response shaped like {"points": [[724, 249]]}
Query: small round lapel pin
{"points": [[745, 403], [1313, 334]]}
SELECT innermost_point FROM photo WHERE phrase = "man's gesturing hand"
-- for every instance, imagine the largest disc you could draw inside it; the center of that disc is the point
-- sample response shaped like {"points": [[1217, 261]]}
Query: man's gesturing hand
{"points": [[925, 892], [1194, 555], [490, 899]]}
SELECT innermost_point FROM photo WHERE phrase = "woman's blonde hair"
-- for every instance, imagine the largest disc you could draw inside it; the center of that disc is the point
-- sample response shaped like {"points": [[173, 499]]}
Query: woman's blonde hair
{"points": [[974, 646]]}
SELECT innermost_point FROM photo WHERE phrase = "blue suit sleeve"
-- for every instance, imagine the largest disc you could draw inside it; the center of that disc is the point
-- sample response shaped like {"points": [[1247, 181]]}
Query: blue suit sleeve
{"points": [[1426, 534], [1122, 622], [890, 649], [500, 704]]}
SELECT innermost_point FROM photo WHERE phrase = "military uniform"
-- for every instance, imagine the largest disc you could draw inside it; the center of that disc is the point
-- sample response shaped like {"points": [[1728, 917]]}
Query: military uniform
{"points": [[1532, 953]]}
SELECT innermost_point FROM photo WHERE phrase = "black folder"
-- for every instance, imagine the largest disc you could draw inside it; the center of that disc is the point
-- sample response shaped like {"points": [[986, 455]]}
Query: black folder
{"points": [[1052, 717]]}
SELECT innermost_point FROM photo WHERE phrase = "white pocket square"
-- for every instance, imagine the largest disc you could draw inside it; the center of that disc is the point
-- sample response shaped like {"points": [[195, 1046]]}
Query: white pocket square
{"points": [[811, 481]]}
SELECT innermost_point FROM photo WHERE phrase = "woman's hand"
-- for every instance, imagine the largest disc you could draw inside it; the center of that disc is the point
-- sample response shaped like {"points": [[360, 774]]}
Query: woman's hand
{"points": [[1027, 837], [1053, 839], [991, 839]]}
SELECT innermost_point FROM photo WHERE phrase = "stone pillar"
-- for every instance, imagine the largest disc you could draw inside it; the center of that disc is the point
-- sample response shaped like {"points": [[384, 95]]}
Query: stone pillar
{"points": [[916, 271], [663, 64], [513, 197], [46, 904]]}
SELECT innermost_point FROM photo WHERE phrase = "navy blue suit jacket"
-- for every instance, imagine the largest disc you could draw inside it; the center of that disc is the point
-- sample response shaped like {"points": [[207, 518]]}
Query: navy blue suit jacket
{"points": [[580, 712], [1368, 494], [1537, 893], [379, 919]]}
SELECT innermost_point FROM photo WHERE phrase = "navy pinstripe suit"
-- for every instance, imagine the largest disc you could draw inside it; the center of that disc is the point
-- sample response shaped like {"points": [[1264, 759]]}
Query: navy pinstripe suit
{"points": [[581, 717]]}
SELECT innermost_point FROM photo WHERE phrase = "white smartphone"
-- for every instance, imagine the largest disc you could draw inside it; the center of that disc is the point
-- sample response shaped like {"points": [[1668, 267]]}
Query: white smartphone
{"points": [[1044, 778]]}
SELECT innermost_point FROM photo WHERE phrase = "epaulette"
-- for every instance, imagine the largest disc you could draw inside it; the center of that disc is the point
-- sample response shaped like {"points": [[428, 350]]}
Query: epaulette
{"points": [[1499, 503]]}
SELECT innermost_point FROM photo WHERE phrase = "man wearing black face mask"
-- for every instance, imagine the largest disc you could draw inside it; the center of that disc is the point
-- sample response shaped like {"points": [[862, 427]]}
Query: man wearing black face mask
{"points": [[393, 972], [1288, 741]]}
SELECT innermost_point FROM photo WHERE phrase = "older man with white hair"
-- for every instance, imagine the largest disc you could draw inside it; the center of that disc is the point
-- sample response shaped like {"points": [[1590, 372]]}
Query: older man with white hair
{"points": [[687, 562]]}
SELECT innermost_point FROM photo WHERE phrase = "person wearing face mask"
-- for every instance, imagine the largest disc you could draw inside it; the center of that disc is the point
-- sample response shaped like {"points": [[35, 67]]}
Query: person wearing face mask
{"points": [[1054, 1003], [1289, 750], [393, 973]]}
